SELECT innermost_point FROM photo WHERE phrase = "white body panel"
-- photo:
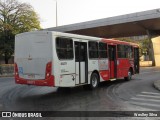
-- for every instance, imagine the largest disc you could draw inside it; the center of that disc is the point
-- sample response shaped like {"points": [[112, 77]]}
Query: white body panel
{"points": [[103, 64], [32, 52], [67, 73]]}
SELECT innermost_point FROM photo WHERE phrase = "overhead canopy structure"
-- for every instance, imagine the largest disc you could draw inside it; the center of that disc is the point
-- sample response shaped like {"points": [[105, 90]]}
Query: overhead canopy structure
{"points": [[120, 26]]}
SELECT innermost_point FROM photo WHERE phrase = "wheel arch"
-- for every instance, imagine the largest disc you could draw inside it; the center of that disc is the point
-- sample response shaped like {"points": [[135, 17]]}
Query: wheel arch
{"points": [[96, 71], [92, 84]]}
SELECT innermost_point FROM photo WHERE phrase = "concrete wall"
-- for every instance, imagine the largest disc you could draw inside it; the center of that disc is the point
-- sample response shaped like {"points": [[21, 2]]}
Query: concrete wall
{"points": [[145, 63], [156, 47]]}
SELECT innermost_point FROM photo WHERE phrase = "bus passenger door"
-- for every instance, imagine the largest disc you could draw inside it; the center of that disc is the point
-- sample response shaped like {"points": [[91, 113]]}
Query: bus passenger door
{"points": [[81, 62], [112, 61], [136, 60]]}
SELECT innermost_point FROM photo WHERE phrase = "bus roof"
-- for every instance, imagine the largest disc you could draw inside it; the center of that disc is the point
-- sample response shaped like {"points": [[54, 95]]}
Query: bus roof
{"points": [[76, 36], [113, 41], [110, 41]]}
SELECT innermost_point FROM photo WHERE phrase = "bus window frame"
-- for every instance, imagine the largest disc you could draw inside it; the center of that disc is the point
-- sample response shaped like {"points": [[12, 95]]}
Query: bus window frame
{"points": [[72, 48]]}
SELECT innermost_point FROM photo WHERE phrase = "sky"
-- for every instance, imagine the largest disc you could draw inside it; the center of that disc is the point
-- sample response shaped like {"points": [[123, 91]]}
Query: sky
{"points": [[75, 11]]}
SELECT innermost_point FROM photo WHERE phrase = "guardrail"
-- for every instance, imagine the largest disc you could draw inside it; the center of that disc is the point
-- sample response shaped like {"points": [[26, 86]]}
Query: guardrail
{"points": [[6, 70]]}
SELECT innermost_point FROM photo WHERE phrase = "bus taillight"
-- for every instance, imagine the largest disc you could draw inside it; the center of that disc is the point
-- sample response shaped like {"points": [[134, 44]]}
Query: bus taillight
{"points": [[48, 69], [16, 70]]}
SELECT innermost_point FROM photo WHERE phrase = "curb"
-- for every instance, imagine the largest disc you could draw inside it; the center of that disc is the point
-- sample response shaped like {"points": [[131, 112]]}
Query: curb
{"points": [[157, 84], [1, 76]]}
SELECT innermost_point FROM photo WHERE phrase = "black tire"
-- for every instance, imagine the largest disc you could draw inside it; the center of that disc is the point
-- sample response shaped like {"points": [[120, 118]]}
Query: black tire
{"points": [[129, 77], [94, 81]]}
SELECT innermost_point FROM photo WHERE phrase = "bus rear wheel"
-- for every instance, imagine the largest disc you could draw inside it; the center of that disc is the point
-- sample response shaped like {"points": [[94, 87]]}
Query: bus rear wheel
{"points": [[129, 77], [94, 81]]}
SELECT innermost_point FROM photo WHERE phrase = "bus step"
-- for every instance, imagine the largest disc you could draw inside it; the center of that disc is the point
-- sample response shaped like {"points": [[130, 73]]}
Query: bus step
{"points": [[113, 79]]}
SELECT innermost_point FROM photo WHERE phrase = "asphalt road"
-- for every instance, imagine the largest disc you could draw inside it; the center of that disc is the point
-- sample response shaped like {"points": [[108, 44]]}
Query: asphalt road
{"points": [[135, 95]]}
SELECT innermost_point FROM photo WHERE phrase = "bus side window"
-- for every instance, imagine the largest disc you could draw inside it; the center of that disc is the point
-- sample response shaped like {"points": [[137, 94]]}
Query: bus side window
{"points": [[64, 48], [93, 49], [120, 49], [102, 50], [125, 51], [130, 52]]}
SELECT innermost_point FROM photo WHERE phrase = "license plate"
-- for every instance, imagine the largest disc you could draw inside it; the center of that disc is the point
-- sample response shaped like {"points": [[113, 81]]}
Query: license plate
{"points": [[31, 76], [31, 82]]}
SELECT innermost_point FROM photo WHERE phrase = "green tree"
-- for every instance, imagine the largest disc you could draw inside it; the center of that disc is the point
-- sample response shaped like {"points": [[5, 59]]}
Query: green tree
{"points": [[15, 17], [144, 46]]}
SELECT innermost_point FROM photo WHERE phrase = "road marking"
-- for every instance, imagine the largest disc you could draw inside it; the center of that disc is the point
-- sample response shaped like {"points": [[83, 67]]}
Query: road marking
{"points": [[151, 96], [151, 93], [143, 99], [145, 104], [2, 77], [146, 99]]}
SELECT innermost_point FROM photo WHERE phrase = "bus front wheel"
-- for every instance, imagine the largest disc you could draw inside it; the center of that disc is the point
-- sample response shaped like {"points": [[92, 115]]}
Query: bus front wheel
{"points": [[94, 81], [129, 77]]}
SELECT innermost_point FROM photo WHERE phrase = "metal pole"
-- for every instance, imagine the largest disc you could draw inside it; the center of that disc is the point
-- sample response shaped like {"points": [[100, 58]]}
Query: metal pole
{"points": [[56, 14]]}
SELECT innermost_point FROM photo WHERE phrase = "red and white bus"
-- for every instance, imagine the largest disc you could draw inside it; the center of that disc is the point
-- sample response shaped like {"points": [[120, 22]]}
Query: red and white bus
{"points": [[47, 58]]}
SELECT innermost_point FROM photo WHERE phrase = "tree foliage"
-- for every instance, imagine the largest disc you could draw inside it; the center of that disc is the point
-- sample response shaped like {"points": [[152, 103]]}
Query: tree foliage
{"points": [[15, 17], [144, 46]]}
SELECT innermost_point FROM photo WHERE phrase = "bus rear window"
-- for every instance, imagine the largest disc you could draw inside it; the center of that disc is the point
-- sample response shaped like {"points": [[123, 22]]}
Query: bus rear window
{"points": [[64, 47]]}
